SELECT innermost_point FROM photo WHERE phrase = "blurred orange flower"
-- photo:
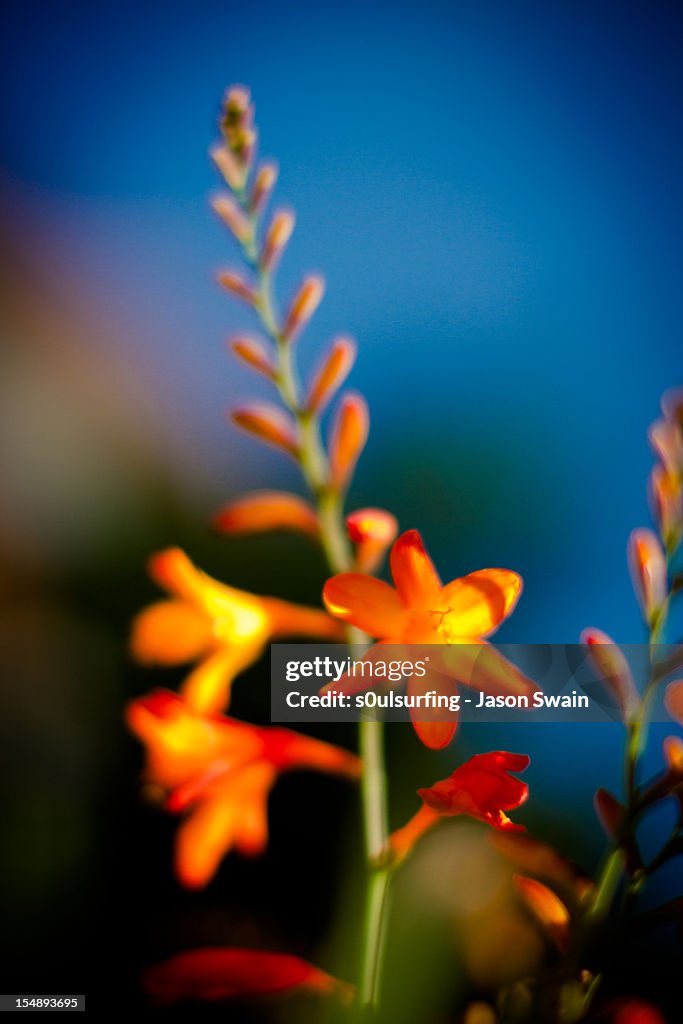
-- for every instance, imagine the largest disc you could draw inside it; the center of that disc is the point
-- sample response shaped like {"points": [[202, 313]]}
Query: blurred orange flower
{"points": [[222, 628], [482, 788], [420, 610], [221, 772], [231, 973]]}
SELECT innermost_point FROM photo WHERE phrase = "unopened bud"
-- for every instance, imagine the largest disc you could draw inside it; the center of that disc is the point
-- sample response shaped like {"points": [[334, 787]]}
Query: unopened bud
{"points": [[232, 169], [372, 530], [277, 236], [666, 500], [332, 373], [236, 284], [349, 434], [648, 572], [547, 908], [233, 217], [269, 424], [255, 354], [264, 182], [673, 700], [304, 305], [267, 510], [610, 812], [613, 667]]}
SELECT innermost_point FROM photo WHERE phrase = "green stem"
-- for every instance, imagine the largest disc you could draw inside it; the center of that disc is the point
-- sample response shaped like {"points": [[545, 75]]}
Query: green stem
{"points": [[371, 737]]}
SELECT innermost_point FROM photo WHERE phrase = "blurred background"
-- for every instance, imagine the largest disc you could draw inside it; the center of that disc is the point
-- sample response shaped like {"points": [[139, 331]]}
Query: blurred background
{"points": [[493, 194]]}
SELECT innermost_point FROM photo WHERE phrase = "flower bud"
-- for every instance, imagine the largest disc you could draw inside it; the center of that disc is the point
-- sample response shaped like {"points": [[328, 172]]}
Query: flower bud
{"points": [[673, 754], [267, 510], [236, 284], [233, 217], [372, 530], [666, 439], [349, 434], [673, 700], [609, 811], [254, 354], [672, 406], [547, 908], [264, 183], [303, 306], [269, 424], [666, 501], [236, 123], [609, 660], [480, 1013], [232, 169], [331, 374], [277, 236], [648, 572]]}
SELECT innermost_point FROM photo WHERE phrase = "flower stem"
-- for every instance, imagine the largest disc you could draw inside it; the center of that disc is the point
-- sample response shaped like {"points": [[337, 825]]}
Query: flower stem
{"points": [[371, 736], [314, 464]]}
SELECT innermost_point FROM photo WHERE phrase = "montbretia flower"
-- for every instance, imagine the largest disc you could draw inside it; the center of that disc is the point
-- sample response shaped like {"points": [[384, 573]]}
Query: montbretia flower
{"points": [[233, 217], [371, 530], [548, 909], [673, 700], [222, 628], [264, 182], [218, 772], [666, 500], [648, 571], [349, 435], [262, 511], [303, 306], [673, 754], [269, 424], [614, 669], [331, 374], [482, 788], [255, 354], [419, 609], [277, 237], [221, 973]]}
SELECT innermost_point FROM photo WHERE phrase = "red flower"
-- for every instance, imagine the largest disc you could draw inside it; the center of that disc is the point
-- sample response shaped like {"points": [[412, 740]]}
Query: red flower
{"points": [[229, 973], [220, 772], [481, 788]]}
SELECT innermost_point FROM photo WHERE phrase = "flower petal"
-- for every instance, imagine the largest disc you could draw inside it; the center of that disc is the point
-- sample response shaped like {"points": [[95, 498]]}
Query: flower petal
{"points": [[207, 689], [225, 973], [365, 602], [476, 604], [211, 830], [479, 664], [170, 633], [437, 731], [416, 579]]}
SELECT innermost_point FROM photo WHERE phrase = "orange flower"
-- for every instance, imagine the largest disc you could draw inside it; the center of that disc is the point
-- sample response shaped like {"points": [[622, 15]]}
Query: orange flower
{"points": [[261, 511], [612, 665], [230, 973], [372, 530], [547, 908], [420, 610], [222, 628], [673, 700], [219, 773], [481, 788], [648, 572]]}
